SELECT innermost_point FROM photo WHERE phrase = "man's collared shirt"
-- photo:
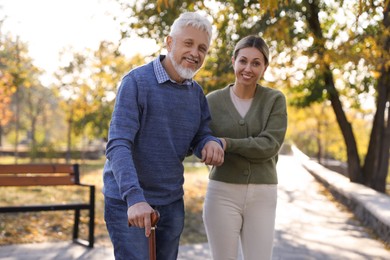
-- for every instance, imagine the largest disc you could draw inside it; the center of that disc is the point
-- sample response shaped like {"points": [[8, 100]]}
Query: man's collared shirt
{"points": [[162, 75]]}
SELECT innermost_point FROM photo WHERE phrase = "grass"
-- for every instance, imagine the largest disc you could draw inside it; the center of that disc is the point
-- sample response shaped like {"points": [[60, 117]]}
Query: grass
{"points": [[16, 228], [57, 226]]}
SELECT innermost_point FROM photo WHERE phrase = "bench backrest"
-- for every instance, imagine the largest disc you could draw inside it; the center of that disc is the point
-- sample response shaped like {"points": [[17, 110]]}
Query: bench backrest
{"points": [[39, 174]]}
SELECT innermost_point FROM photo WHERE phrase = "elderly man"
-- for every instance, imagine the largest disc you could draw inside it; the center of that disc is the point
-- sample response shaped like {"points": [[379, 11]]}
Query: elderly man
{"points": [[160, 116]]}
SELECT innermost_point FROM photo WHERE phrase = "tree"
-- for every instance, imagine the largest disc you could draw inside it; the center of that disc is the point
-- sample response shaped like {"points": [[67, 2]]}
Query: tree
{"points": [[5, 101], [330, 53], [316, 49], [87, 85], [6, 87], [376, 164], [24, 102], [18, 74], [38, 103], [71, 89], [108, 66]]}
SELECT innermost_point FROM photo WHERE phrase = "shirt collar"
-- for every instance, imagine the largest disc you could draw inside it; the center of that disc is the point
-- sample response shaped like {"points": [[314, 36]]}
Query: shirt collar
{"points": [[162, 75]]}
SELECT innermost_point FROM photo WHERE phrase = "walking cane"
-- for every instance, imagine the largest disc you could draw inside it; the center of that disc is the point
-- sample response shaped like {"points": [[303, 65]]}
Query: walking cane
{"points": [[154, 217]]}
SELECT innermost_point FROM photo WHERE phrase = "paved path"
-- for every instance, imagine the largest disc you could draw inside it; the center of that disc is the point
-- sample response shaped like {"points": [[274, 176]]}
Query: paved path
{"points": [[308, 226]]}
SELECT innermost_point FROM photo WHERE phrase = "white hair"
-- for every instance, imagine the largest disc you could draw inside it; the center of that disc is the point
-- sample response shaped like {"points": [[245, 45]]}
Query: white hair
{"points": [[191, 19]]}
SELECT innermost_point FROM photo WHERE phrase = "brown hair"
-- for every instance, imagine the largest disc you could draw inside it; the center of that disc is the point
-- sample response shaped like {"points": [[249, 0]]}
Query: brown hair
{"points": [[253, 41]]}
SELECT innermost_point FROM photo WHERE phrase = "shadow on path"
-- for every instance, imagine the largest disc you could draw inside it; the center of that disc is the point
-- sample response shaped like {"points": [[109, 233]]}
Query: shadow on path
{"points": [[309, 225]]}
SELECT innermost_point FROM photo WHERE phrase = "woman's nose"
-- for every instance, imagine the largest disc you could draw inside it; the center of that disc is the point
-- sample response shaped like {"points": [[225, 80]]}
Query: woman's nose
{"points": [[248, 67]]}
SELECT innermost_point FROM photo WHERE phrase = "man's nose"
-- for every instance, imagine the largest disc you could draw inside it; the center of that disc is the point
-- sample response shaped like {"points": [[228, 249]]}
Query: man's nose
{"points": [[195, 52]]}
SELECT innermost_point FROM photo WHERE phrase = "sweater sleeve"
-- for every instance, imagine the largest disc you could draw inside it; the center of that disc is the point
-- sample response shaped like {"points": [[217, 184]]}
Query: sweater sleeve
{"points": [[204, 134], [267, 143], [123, 129]]}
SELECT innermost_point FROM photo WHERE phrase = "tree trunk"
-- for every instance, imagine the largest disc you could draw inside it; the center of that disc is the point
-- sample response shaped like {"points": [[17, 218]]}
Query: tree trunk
{"points": [[319, 143], [1, 135], [17, 122], [379, 183], [17, 108], [354, 169], [33, 147], [377, 160], [69, 142], [32, 131]]}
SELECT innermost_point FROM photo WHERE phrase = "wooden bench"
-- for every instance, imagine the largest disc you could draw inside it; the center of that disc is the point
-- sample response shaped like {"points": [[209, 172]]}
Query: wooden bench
{"points": [[49, 175]]}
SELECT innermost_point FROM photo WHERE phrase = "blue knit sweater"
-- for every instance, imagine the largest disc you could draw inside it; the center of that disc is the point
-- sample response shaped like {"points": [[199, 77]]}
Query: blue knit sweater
{"points": [[155, 123]]}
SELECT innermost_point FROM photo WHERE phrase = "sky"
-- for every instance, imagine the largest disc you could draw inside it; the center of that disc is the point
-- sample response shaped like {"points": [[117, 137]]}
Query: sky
{"points": [[48, 26]]}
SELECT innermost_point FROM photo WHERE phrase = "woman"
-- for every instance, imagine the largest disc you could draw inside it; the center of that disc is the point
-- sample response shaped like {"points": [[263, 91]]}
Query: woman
{"points": [[251, 121]]}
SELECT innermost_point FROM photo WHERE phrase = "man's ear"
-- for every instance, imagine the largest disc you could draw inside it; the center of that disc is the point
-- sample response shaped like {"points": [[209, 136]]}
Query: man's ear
{"points": [[169, 42]]}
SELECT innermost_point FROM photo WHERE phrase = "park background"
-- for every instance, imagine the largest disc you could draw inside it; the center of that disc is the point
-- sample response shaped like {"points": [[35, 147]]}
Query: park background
{"points": [[330, 59]]}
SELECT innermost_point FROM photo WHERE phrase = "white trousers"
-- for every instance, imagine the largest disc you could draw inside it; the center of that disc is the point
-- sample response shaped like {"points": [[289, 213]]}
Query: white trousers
{"points": [[240, 216]]}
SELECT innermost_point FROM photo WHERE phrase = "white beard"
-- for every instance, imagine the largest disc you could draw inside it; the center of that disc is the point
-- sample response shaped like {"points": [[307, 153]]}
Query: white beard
{"points": [[184, 73]]}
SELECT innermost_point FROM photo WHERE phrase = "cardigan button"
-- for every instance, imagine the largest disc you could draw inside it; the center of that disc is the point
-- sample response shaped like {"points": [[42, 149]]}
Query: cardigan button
{"points": [[241, 122]]}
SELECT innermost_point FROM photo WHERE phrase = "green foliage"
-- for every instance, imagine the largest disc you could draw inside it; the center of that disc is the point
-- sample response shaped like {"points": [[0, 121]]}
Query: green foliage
{"points": [[310, 43], [308, 91], [321, 50], [315, 130], [87, 85], [25, 102]]}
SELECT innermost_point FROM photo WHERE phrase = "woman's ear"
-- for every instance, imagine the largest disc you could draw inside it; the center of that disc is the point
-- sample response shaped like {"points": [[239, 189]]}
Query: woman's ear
{"points": [[265, 69]]}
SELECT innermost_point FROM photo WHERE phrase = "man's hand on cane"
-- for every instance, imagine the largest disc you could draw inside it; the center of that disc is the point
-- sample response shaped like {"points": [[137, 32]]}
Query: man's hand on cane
{"points": [[139, 215]]}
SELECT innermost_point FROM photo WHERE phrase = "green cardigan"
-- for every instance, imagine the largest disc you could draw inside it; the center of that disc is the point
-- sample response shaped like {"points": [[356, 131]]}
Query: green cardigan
{"points": [[253, 142]]}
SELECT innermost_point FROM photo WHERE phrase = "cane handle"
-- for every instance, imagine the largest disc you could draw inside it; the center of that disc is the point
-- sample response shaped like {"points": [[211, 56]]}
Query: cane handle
{"points": [[154, 218]]}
